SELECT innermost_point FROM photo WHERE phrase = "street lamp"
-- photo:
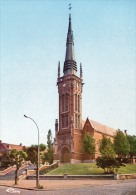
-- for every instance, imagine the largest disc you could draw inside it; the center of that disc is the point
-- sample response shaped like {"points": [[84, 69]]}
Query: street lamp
{"points": [[37, 182]]}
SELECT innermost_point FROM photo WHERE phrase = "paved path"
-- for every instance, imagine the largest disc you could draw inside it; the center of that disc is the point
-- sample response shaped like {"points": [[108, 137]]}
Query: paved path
{"points": [[64, 184], [11, 175]]}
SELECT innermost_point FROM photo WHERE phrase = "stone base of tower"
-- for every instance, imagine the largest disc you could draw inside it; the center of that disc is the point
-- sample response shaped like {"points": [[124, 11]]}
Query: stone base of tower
{"points": [[75, 161], [64, 155], [77, 158], [56, 157], [74, 158]]}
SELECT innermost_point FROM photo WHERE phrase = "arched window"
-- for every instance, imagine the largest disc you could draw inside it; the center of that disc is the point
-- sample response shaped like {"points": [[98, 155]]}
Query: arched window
{"points": [[66, 102], [66, 120], [76, 122], [78, 103], [63, 121], [99, 143]]}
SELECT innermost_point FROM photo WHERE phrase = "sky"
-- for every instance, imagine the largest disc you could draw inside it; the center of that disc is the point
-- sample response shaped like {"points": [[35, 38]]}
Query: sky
{"points": [[33, 41]]}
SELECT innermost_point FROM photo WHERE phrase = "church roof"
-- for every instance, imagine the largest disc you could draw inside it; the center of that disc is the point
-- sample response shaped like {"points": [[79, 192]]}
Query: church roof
{"points": [[70, 66], [103, 128]]}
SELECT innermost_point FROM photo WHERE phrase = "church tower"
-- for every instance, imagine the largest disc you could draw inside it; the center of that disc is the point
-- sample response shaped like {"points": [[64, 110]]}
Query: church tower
{"points": [[68, 133]]}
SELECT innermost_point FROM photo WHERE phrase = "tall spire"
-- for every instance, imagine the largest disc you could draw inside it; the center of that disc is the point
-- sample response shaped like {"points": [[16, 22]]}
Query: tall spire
{"points": [[59, 69], [70, 66]]}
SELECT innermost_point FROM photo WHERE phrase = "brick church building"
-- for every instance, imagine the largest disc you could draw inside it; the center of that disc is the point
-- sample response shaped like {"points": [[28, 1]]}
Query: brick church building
{"points": [[71, 129]]}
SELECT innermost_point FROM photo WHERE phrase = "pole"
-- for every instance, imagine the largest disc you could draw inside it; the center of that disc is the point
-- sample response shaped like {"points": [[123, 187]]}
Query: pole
{"points": [[37, 182]]}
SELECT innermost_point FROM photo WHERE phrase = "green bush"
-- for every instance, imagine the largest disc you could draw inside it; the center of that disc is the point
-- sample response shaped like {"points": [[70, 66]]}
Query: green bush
{"points": [[108, 163]]}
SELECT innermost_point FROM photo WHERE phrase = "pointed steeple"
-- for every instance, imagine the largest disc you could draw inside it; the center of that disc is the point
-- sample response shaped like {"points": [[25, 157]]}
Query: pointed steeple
{"points": [[70, 66], [59, 69]]}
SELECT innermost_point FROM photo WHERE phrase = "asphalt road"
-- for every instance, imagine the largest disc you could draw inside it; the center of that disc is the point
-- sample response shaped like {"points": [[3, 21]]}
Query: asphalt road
{"points": [[124, 188], [11, 175]]}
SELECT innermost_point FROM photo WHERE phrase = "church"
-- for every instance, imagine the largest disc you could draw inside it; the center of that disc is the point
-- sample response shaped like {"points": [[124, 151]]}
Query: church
{"points": [[70, 129]]}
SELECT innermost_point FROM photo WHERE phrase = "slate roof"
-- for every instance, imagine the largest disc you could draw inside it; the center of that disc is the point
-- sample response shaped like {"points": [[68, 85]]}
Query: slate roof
{"points": [[103, 128]]}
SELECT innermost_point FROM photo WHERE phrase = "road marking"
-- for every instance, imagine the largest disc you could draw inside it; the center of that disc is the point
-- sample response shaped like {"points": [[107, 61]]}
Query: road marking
{"points": [[11, 190]]}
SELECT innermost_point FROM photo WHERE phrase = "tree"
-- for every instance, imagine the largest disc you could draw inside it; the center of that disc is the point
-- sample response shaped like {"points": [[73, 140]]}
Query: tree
{"points": [[108, 150], [108, 163], [49, 139], [132, 141], [48, 156], [121, 144], [5, 160], [17, 158], [32, 153], [104, 142], [107, 160], [88, 144], [42, 147]]}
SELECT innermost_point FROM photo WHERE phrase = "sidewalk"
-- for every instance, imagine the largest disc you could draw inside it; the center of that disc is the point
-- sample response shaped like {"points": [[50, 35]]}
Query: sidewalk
{"points": [[61, 184]]}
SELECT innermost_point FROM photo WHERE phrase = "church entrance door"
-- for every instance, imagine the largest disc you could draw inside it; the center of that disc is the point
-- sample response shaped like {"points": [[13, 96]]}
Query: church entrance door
{"points": [[65, 155]]}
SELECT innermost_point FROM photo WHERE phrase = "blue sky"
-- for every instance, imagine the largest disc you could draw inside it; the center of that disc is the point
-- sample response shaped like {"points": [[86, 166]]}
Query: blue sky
{"points": [[33, 40]]}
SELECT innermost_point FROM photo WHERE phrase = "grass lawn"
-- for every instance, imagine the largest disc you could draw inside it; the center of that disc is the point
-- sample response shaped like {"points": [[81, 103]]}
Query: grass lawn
{"points": [[130, 168], [88, 169]]}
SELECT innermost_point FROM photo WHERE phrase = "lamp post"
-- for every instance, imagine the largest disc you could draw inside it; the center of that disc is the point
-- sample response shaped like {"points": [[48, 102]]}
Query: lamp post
{"points": [[37, 182]]}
